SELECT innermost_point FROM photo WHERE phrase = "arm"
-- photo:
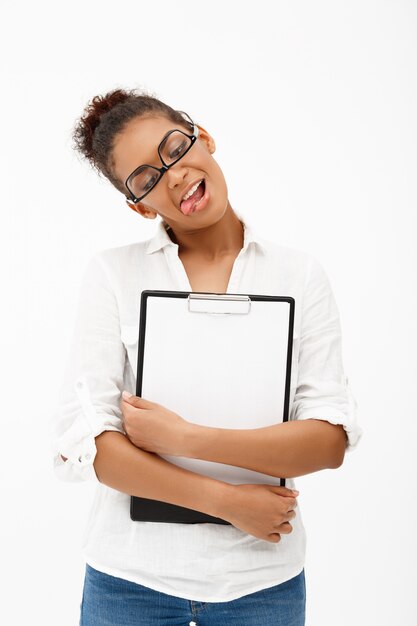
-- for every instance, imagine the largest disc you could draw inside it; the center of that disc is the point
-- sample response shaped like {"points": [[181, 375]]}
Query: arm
{"points": [[89, 442], [93, 375], [322, 424], [284, 450], [120, 465]]}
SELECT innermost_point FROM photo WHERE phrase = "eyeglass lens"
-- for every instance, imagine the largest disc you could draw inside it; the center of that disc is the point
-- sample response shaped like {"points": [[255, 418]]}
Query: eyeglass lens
{"points": [[171, 149]]}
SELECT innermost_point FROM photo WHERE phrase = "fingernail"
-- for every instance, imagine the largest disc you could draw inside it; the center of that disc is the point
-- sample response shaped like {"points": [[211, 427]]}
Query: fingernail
{"points": [[126, 395], [295, 491]]}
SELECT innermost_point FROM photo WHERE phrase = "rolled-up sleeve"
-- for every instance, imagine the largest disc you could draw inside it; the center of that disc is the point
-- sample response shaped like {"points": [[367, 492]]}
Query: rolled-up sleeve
{"points": [[323, 391], [89, 399]]}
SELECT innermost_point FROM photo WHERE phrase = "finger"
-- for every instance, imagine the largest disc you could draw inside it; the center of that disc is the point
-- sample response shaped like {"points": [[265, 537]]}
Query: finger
{"points": [[285, 491], [285, 520], [286, 528], [137, 401], [292, 503]]}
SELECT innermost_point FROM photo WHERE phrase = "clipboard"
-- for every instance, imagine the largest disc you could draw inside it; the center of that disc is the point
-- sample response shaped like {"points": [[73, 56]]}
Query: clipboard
{"points": [[221, 360]]}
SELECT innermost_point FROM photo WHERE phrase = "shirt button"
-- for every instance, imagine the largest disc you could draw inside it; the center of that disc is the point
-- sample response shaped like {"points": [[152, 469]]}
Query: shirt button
{"points": [[84, 457], [79, 384]]}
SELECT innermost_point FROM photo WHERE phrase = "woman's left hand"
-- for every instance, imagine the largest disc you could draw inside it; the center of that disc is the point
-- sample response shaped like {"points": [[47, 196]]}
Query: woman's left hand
{"points": [[152, 427]]}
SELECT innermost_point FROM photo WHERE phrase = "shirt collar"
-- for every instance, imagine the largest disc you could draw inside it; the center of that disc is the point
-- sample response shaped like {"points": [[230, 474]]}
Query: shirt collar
{"points": [[162, 239]]}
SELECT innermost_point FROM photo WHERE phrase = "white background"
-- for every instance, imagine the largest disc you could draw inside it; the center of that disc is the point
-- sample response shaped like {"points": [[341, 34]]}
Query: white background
{"points": [[313, 109]]}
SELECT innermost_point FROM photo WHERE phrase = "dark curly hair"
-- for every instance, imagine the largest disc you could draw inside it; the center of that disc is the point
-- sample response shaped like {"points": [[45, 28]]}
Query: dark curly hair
{"points": [[105, 116]]}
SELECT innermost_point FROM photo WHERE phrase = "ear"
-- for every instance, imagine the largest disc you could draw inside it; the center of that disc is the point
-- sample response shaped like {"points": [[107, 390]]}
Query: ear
{"points": [[142, 209], [207, 138]]}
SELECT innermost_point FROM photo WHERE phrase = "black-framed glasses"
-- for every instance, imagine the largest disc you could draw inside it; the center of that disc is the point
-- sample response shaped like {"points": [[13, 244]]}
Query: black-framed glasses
{"points": [[172, 148]]}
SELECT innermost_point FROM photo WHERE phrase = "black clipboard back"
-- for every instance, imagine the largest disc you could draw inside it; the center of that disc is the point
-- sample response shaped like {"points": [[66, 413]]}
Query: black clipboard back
{"points": [[221, 309]]}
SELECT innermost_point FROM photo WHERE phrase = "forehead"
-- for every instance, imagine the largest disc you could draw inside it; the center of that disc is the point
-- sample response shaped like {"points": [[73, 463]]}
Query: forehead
{"points": [[138, 143]]}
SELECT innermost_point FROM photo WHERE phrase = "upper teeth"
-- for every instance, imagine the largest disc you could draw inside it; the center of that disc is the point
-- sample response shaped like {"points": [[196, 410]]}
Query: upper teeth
{"points": [[192, 190]]}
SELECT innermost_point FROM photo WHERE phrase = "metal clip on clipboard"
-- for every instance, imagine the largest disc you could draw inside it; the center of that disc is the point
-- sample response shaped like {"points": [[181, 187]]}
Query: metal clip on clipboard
{"points": [[219, 304]]}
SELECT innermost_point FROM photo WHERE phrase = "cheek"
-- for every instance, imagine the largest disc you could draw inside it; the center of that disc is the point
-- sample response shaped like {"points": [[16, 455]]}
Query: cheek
{"points": [[217, 177]]}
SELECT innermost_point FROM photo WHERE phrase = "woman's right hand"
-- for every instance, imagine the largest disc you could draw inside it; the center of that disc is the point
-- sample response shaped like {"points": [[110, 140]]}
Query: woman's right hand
{"points": [[261, 510]]}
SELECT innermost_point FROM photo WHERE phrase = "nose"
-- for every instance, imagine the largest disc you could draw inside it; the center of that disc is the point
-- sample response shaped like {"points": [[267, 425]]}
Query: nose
{"points": [[176, 174]]}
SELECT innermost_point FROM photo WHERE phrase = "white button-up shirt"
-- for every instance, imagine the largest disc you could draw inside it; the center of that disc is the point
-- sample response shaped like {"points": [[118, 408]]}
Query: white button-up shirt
{"points": [[205, 562]]}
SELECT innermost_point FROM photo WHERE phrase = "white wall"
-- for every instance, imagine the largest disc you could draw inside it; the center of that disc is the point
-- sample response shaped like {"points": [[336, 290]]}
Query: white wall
{"points": [[318, 99]]}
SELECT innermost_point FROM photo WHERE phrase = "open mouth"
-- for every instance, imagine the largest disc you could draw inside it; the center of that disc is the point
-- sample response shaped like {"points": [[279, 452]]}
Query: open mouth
{"points": [[190, 204]]}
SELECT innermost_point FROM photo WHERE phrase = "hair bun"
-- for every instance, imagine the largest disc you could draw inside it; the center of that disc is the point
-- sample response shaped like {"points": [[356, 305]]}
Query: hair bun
{"points": [[88, 122]]}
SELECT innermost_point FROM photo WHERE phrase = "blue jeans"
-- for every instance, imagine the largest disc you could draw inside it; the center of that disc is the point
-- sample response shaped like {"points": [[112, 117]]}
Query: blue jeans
{"points": [[111, 601]]}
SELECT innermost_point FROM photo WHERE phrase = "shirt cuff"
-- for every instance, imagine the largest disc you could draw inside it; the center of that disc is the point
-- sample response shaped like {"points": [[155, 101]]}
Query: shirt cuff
{"points": [[78, 444], [347, 417]]}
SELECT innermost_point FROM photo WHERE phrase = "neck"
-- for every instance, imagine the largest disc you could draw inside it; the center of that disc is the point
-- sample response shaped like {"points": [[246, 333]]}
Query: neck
{"points": [[223, 238]]}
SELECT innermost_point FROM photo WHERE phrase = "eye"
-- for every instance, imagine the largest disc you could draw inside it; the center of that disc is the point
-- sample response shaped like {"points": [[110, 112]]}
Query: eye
{"points": [[150, 183], [175, 153]]}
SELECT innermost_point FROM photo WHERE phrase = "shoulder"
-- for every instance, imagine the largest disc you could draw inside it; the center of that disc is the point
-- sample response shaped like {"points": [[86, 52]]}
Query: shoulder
{"points": [[121, 254], [121, 258], [119, 264], [288, 259]]}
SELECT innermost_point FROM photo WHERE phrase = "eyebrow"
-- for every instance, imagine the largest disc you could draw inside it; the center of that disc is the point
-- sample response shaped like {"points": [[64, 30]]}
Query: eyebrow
{"points": [[166, 134]]}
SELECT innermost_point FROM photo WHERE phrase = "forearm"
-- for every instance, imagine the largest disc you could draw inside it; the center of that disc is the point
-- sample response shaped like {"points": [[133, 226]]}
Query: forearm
{"points": [[121, 465], [285, 450]]}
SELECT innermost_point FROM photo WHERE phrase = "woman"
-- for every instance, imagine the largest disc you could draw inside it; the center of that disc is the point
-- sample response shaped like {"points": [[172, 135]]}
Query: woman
{"points": [[249, 572]]}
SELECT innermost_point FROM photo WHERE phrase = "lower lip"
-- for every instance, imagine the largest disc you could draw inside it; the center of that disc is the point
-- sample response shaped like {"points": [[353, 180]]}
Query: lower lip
{"points": [[203, 202]]}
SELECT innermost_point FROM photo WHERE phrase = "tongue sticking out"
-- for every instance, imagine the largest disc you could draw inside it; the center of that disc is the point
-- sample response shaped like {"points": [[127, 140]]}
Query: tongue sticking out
{"points": [[188, 205]]}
